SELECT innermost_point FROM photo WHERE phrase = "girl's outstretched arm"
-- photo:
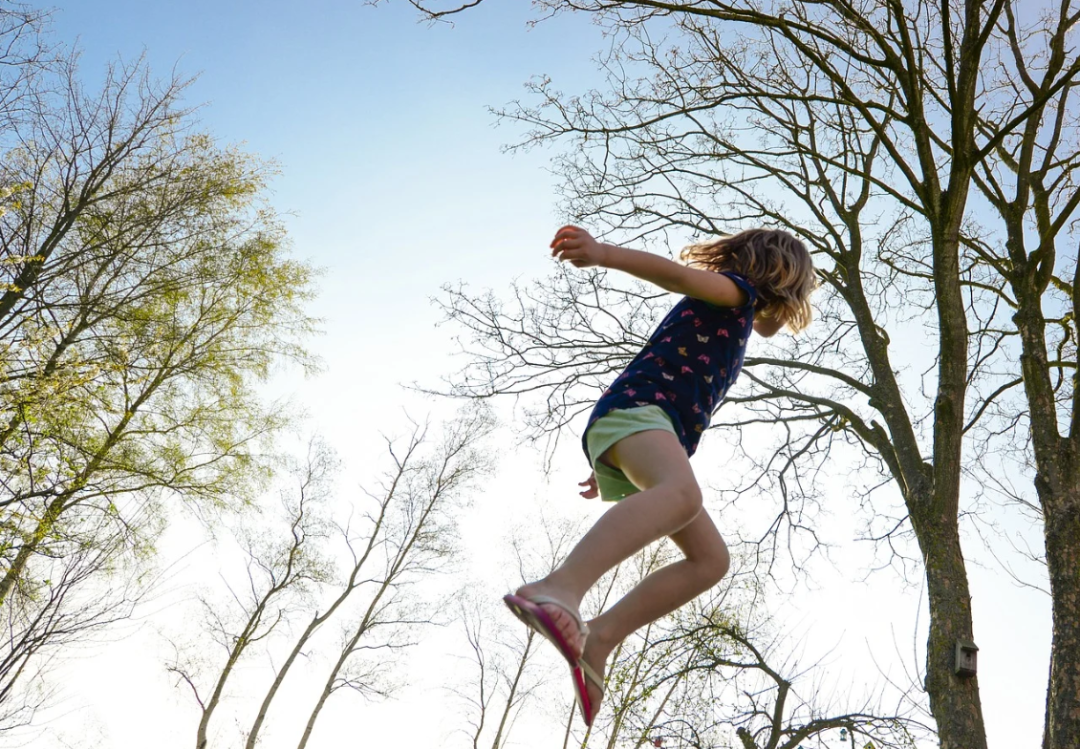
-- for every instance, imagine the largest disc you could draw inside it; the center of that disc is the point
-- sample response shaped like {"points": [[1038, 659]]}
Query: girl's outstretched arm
{"points": [[577, 246]]}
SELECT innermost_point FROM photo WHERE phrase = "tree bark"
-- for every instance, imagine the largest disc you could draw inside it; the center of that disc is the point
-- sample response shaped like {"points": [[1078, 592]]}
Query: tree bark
{"points": [[1057, 461], [954, 701], [1062, 532]]}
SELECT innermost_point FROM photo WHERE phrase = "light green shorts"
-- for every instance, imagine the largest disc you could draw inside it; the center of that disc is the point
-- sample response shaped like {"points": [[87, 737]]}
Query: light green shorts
{"points": [[609, 429]]}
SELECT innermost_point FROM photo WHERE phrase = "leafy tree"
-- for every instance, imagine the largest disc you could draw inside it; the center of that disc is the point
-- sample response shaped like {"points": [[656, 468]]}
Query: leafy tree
{"points": [[145, 289]]}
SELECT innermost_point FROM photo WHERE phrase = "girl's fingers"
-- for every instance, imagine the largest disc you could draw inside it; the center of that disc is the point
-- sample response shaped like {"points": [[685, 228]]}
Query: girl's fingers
{"points": [[565, 250], [566, 231], [567, 239]]}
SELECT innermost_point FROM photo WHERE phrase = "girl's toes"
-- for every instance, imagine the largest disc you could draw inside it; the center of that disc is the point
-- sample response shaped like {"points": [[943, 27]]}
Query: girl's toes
{"points": [[567, 627]]}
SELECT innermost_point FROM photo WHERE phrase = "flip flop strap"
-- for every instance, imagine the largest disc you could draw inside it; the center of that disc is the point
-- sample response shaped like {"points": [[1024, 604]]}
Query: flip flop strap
{"points": [[582, 626], [591, 675]]}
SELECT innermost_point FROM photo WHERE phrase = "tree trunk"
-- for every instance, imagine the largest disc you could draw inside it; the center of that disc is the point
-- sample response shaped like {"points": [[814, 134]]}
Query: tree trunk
{"points": [[324, 695], [328, 688], [30, 545], [954, 701], [1060, 497], [497, 742], [1057, 483], [279, 679], [62, 502]]}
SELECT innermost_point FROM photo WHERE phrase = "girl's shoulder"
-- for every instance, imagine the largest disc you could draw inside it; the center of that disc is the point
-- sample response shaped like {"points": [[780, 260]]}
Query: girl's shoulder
{"points": [[717, 311], [744, 283]]}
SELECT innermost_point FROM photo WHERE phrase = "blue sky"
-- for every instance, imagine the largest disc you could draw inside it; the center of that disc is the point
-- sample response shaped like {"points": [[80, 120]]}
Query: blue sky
{"points": [[393, 175], [391, 164]]}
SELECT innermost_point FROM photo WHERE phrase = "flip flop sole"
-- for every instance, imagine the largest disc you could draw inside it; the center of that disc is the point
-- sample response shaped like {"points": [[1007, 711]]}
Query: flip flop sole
{"points": [[581, 692], [587, 675], [537, 619]]}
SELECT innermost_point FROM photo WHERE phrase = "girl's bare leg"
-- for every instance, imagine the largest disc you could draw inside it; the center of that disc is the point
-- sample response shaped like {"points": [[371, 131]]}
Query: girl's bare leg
{"points": [[669, 503], [660, 593]]}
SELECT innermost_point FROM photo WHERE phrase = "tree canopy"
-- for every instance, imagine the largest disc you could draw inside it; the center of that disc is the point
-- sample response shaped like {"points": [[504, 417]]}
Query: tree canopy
{"points": [[146, 287]]}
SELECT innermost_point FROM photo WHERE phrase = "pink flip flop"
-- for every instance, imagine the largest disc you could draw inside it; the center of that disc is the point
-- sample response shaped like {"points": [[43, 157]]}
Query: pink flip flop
{"points": [[528, 611], [583, 674]]}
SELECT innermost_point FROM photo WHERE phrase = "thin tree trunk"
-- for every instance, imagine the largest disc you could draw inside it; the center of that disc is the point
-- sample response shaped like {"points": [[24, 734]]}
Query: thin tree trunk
{"points": [[208, 712], [58, 505], [1057, 483], [497, 742], [1062, 529], [264, 708], [328, 687], [320, 619]]}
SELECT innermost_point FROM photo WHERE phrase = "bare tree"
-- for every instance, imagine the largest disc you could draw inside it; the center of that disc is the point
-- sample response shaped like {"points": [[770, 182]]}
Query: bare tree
{"points": [[500, 679], [393, 540], [414, 534], [863, 128], [1030, 180], [284, 568], [716, 675], [711, 675], [507, 679], [717, 672]]}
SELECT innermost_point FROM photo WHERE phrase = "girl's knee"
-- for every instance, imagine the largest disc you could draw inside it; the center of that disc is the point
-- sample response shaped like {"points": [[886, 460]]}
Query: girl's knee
{"points": [[714, 564], [721, 563], [688, 499]]}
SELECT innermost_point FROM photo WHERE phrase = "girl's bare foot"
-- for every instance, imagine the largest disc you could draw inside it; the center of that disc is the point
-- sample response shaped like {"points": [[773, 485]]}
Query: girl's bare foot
{"points": [[595, 657], [571, 628]]}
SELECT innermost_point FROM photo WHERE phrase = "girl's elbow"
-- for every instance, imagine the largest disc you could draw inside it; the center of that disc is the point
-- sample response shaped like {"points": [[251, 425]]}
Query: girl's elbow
{"points": [[767, 328]]}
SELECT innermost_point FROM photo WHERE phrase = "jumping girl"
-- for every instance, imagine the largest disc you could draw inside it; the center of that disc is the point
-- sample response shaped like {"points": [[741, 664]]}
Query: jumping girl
{"points": [[646, 426]]}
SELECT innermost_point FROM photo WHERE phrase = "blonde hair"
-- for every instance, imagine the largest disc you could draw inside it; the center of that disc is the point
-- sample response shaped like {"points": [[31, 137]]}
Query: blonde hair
{"points": [[774, 261]]}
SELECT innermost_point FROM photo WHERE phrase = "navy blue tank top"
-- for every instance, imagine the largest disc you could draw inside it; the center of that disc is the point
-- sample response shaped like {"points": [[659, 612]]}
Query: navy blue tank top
{"points": [[687, 365]]}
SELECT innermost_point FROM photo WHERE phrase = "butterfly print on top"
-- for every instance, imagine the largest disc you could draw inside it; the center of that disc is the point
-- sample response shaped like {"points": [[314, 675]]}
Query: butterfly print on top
{"points": [[681, 369]]}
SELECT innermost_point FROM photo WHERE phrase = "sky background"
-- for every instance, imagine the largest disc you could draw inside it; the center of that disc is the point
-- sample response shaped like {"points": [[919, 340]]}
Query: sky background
{"points": [[394, 179]]}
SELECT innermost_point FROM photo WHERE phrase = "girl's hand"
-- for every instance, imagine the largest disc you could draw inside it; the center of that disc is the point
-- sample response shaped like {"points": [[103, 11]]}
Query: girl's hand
{"points": [[574, 244], [592, 492]]}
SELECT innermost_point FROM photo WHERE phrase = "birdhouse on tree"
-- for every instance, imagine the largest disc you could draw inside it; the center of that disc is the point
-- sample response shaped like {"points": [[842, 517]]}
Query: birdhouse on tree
{"points": [[966, 658]]}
